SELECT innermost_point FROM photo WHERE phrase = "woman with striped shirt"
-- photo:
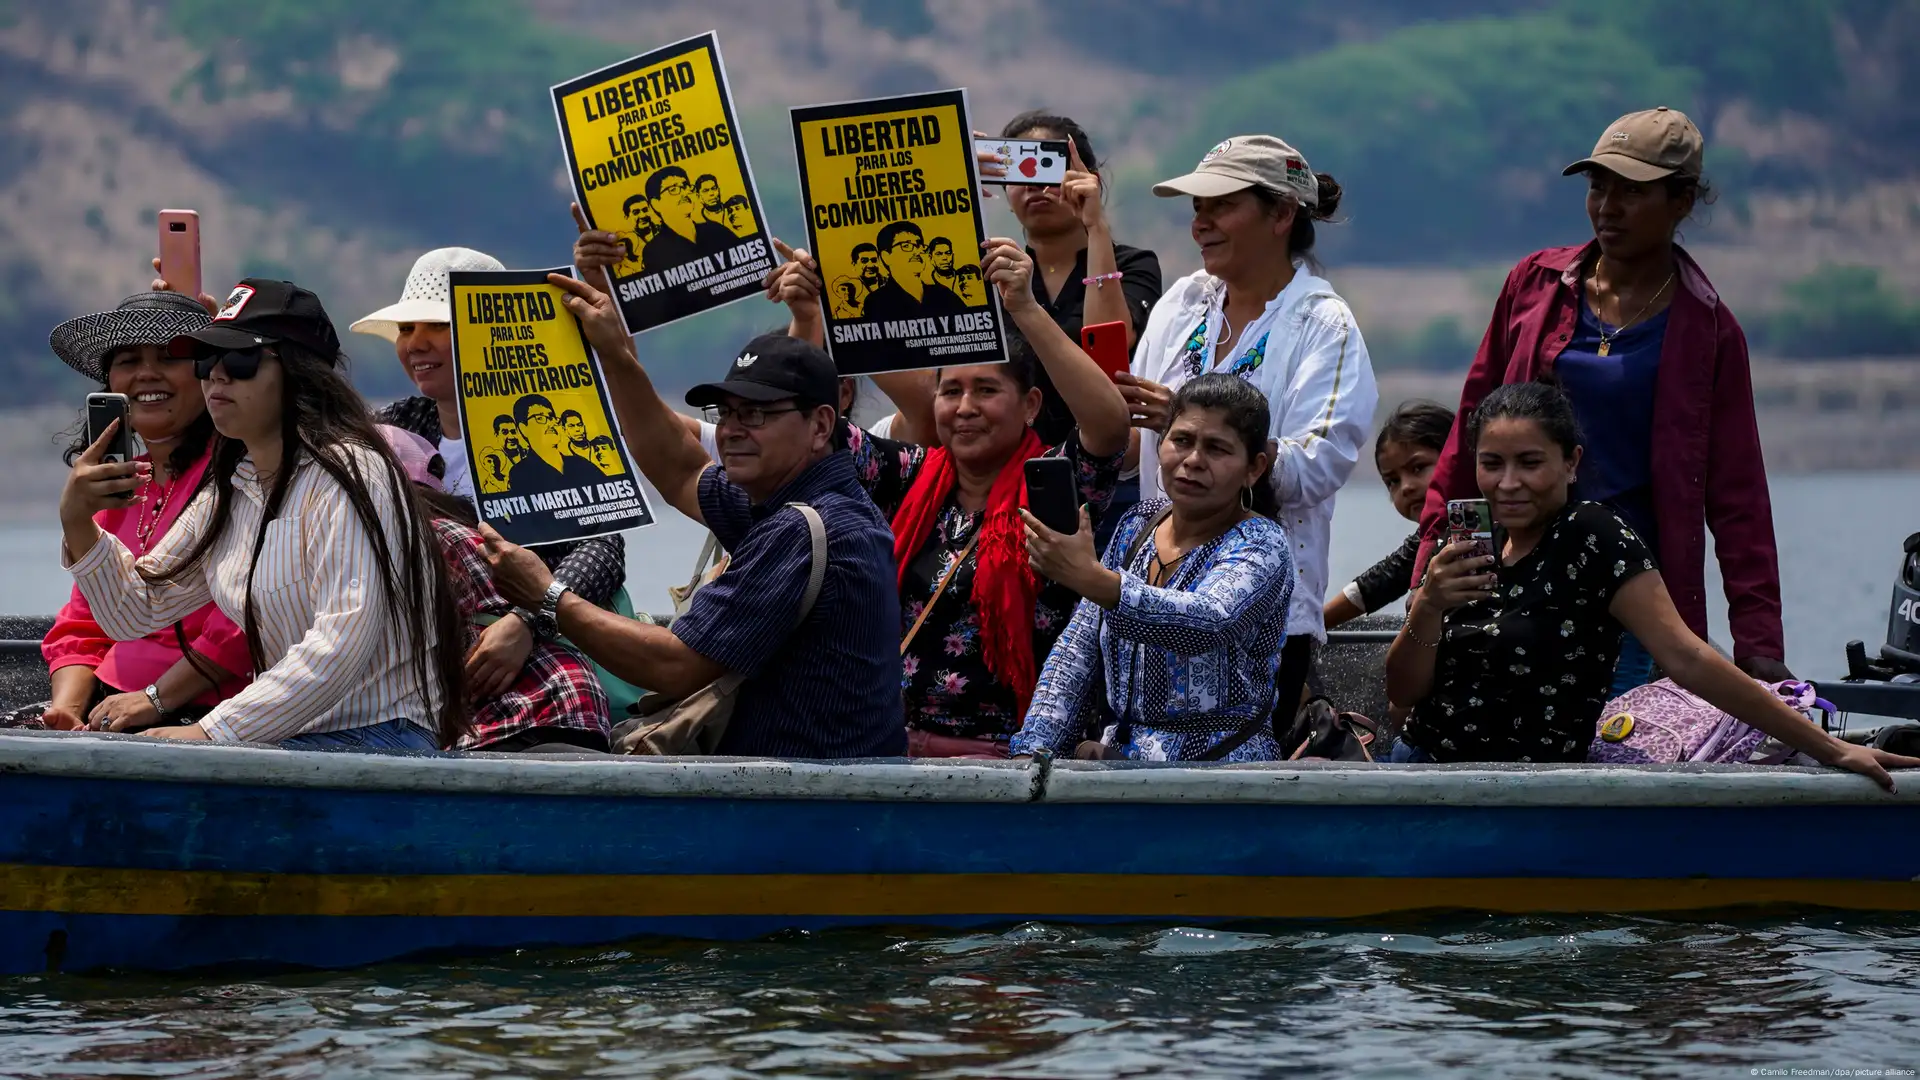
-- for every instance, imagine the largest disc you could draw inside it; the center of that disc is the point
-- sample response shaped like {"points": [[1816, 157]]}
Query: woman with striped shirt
{"points": [[305, 531]]}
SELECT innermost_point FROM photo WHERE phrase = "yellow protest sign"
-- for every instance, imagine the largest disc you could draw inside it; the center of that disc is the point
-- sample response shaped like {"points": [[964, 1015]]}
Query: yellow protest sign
{"points": [[547, 459], [893, 216], [653, 147]]}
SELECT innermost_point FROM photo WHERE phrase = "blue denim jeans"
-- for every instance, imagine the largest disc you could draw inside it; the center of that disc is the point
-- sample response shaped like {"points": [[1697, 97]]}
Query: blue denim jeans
{"points": [[1634, 668], [1405, 753], [391, 735]]}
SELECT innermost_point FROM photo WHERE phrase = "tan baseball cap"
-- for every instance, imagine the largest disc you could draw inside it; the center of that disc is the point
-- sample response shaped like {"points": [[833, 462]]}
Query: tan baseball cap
{"points": [[1246, 161], [1649, 145]]}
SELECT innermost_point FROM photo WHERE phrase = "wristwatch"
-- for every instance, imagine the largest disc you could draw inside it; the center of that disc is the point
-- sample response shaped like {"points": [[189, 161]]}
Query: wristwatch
{"points": [[153, 696], [549, 614]]}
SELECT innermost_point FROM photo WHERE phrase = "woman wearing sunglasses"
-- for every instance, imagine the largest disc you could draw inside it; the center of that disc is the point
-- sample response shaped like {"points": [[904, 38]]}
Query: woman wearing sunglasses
{"points": [[305, 532]]}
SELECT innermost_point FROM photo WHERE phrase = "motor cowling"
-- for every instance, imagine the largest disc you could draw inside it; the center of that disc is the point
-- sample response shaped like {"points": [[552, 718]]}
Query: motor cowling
{"points": [[1902, 649]]}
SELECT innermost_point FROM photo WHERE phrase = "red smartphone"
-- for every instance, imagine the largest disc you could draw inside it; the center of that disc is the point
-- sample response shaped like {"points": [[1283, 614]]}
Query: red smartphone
{"points": [[1107, 344], [180, 251]]}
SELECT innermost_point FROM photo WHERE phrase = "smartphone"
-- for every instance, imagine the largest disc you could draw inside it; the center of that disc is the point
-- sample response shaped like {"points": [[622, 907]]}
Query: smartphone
{"points": [[1107, 344], [180, 251], [102, 410], [1471, 520], [1052, 496], [1030, 162]]}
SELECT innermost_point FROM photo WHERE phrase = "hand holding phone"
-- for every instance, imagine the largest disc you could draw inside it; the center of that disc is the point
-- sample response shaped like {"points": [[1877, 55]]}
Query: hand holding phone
{"points": [[180, 251], [1052, 495], [103, 410], [1030, 162], [1107, 344], [1471, 520]]}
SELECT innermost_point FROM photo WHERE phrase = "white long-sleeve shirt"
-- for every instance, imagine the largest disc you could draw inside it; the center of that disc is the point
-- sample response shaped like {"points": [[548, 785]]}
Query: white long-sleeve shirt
{"points": [[335, 658], [1318, 380]]}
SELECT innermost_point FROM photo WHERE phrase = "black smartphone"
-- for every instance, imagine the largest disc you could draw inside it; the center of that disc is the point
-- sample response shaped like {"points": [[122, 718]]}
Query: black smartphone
{"points": [[1052, 496], [102, 410]]}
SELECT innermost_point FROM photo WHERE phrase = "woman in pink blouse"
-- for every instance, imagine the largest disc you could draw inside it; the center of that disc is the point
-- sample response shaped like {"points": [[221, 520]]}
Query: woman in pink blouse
{"points": [[178, 673]]}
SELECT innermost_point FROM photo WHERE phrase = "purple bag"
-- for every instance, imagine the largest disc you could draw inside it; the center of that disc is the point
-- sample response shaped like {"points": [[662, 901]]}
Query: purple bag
{"points": [[1661, 724]]}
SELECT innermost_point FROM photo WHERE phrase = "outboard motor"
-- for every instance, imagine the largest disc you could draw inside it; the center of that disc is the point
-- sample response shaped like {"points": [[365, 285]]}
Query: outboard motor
{"points": [[1902, 650]]}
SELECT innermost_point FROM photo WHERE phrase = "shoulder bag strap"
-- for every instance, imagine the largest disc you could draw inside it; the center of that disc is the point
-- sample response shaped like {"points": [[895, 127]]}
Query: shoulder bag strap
{"points": [[708, 552], [817, 575], [941, 588]]}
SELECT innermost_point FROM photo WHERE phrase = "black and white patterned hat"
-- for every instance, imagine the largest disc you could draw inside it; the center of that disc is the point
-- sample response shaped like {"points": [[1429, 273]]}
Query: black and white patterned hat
{"points": [[150, 318]]}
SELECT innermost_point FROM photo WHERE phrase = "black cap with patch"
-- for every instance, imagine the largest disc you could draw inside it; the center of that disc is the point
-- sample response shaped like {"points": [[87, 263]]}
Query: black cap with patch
{"points": [[774, 367], [261, 312]]}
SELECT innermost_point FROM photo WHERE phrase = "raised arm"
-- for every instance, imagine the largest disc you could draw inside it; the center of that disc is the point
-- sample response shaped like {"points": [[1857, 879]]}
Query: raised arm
{"points": [[1098, 409], [657, 436], [123, 602], [1107, 300], [1457, 577]]}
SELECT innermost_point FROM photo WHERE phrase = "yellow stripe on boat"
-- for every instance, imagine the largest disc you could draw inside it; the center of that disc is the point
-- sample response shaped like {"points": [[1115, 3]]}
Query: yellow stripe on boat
{"points": [[114, 891]]}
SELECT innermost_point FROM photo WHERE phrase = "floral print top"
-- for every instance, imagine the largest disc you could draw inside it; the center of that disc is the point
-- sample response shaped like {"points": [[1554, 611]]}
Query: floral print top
{"points": [[1522, 676], [943, 676], [1190, 663]]}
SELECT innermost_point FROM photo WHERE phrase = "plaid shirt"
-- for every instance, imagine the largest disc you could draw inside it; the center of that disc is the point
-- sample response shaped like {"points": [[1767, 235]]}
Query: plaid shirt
{"points": [[557, 688]]}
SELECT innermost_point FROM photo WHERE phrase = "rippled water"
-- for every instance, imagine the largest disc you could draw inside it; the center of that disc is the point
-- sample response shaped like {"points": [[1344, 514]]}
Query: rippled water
{"points": [[1502, 997]]}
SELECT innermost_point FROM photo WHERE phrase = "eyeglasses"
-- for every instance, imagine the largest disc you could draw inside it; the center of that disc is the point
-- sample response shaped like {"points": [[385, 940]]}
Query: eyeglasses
{"points": [[907, 244], [240, 363], [751, 417], [673, 189]]}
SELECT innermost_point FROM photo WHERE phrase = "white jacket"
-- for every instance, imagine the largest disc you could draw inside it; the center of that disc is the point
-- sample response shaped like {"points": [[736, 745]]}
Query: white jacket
{"points": [[1318, 381]]}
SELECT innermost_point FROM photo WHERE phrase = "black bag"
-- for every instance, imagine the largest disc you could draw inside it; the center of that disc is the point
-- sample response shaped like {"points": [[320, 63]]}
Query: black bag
{"points": [[1320, 733]]}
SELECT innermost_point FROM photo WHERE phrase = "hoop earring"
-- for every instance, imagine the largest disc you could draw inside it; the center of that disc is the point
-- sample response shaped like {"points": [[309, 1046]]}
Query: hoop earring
{"points": [[1246, 498]]}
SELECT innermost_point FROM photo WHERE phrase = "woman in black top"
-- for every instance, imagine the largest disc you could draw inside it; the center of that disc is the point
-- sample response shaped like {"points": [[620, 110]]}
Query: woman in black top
{"points": [[1069, 241], [1510, 657], [1404, 452]]}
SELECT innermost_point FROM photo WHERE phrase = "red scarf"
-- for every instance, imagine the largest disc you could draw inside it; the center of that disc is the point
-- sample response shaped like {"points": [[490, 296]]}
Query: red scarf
{"points": [[1004, 585]]}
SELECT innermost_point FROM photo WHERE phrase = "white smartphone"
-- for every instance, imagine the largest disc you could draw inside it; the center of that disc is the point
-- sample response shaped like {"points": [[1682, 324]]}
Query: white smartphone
{"points": [[1030, 162]]}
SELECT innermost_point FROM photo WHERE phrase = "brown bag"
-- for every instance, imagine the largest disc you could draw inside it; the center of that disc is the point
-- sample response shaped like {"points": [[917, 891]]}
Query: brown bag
{"points": [[711, 564], [666, 726]]}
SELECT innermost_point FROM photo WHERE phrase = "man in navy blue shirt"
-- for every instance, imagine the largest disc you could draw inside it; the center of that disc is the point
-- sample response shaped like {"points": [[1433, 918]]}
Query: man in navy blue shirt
{"points": [[827, 686]]}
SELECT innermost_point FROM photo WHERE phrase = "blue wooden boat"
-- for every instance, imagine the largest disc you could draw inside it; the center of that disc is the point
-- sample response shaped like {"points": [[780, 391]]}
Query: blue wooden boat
{"points": [[118, 852], [130, 853]]}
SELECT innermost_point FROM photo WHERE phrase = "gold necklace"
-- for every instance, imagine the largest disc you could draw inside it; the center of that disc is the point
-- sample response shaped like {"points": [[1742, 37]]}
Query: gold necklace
{"points": [[1606, 339]]}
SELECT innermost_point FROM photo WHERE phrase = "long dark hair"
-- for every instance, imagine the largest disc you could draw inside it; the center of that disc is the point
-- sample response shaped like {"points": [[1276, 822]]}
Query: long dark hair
{"points": [[1247, 413], [1542, 402], [322, 419]]}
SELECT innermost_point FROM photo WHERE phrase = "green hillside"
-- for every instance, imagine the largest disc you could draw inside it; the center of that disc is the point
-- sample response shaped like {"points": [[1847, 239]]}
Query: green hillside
{"points": [[401, 125]]}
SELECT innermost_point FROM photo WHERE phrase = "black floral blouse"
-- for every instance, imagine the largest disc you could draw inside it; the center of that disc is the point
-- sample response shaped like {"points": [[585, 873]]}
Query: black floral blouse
{"points": [[944, 676], [1522, 676]]}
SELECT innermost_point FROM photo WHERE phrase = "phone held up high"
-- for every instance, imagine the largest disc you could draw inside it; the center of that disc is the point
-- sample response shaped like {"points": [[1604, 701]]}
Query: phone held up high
{"points": [[1052, 496], [1030, 162], [180, 251], [1471, 520], [1107, 344], [103, 410]]}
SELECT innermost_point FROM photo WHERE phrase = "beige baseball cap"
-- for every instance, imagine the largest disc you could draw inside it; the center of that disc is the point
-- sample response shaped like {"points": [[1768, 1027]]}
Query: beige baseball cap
{"points": [[1246, 161], [1649, 145]]}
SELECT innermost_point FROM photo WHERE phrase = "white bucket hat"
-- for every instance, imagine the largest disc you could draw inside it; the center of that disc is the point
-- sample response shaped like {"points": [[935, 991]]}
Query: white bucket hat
{"points": [[426, 297]]}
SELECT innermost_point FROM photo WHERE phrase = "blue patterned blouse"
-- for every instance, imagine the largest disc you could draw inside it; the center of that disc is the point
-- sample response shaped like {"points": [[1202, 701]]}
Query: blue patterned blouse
{"points": [[1193, 661]]}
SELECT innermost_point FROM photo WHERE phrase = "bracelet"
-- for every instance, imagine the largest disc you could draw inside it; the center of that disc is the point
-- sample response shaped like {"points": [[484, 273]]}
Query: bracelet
{"points": [[1099, 281], [1407, 629]]}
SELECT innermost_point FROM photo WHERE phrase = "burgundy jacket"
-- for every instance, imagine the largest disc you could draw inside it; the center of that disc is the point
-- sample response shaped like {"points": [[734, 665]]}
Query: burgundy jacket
{"points": [[1706, 447]]}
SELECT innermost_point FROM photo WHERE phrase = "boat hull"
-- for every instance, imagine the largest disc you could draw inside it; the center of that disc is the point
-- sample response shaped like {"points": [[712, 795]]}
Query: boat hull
{"points": [[119, 853]]}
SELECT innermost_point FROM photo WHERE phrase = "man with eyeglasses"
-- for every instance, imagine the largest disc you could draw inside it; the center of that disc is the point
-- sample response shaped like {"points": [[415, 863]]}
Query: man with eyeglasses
{"points": [[685, 234], [823, 686], [548, 466], [910, 292]]}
